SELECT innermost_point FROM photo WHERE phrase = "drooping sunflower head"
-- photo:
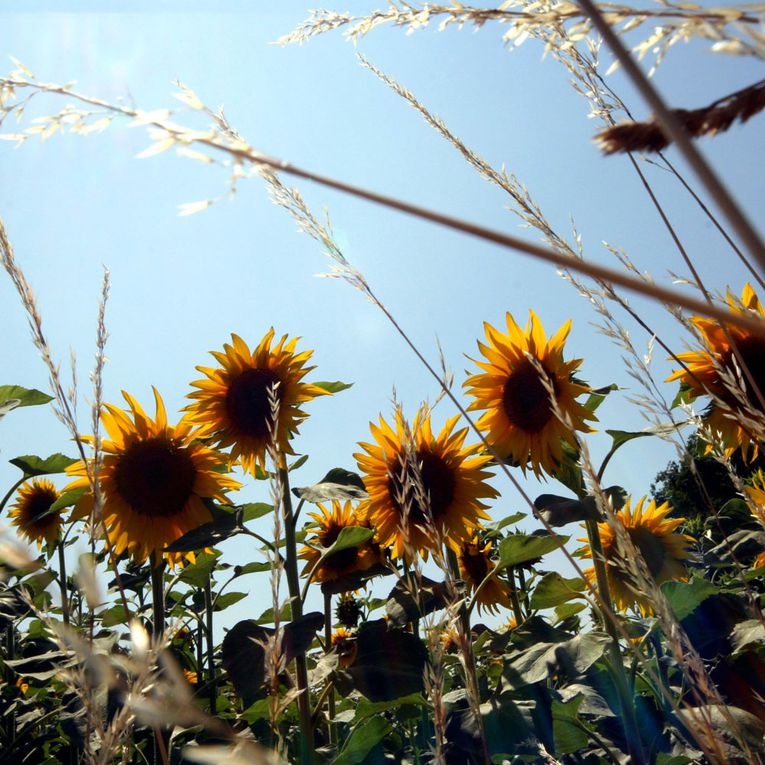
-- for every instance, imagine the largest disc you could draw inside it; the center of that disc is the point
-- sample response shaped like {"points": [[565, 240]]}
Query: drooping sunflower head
{"points": [[423, 490], [153, 479], [327, 528], [522, 373], [475, 564], [235, 405], [715, 370], [655, 536], [31, 512]]}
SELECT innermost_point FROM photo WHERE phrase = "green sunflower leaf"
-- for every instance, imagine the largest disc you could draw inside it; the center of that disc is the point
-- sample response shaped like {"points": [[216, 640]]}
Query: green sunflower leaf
{"points": [[567, 732], [686, 597], [198, 573], [553, 590], [558, 511], [598, 396], [32, 465], [253, 510], [522, 548], [350, 536], [24, 397], [508, 521], [332, 387], [364, 737], [297, 463], [227, 599], [67, 498], [113, 616]]}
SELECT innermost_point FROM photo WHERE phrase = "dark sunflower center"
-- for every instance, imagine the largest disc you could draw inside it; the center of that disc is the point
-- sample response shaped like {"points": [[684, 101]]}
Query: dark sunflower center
{"points": [[476, 565], [436, 479], [752, 352], [247, 404], [525, 399], [651, 547], [155, 477], [341, 559], [37, 505]]}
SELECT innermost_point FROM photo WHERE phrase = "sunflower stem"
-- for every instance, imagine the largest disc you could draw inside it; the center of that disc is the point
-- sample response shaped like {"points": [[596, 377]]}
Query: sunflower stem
{"points": [[62, 582], [328, 648], [13, 488], [158, 598], [212, 685], [514, 601], [632, 732], [296, 607]]}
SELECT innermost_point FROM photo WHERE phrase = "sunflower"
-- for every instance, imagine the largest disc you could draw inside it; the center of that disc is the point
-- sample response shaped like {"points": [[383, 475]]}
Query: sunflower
{"points": [[232, 404], [344, 644], [756, 496], [423, 490], [519, 420], [715, 371], [31, 512], [153, 479], [475, 563], [653, 534], [329, 524]]}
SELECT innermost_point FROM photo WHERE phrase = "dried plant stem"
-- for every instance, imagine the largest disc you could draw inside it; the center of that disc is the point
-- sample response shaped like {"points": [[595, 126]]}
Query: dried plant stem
{"points": [[62, 581], [296, 606], [674, 128]]}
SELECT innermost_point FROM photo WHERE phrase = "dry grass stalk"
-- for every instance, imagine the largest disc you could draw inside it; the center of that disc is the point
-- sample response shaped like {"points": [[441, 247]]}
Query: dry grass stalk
{"points": [[715, 118]]}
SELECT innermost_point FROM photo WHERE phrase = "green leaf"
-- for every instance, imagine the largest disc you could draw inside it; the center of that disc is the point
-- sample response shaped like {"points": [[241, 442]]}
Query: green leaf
{"points": [[567, 610], [24, 396], [253, 510], [571, 657], [684, 396], [32, 465], [389, 662], [333, 387], [553, 590], [685, 597], [598, 396], [223, 526], [522, 548], [254, 567], [567, 733], [337, 484], [749, 632], [366, 708], [508, 521], [67, 498], [228, 599], [243, 657], [267, 617], [408, 601], [113, 616], [621, 437], [364, 737], [197, 574], [297, 463], [350, 536], [260, 710]]}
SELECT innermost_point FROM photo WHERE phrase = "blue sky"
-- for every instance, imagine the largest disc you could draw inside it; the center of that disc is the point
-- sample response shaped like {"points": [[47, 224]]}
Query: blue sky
{"points": [[181, 285]]}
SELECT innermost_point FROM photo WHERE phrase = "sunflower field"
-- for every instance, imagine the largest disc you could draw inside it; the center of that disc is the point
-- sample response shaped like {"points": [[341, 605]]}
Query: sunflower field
{"points": [[472, 586]]}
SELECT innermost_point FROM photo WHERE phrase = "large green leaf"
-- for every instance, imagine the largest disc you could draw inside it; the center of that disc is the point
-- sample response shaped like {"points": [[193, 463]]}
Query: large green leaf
{"points": [[553, 590], [558, 511], [253, 510], [33, 465], [364, 737], [507, 521], [23, 396], [413, 599], [338, 484], [223, 526], [198, 573], [571, 657], [243, 657], [522, 548], [685, 597], [67, 498], [567, 732], [598, 396], [389, 662], [223, 601]]}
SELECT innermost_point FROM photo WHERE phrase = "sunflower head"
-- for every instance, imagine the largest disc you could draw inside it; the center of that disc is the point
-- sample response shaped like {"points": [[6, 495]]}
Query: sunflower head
{"points": [[344, 644], [31, 512], [153, 479], [423, 490], [756, 495], [655, 536], [326, 529], [348, 611], [475, 564], [235, 402], [522, 372], [715, 370]]}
